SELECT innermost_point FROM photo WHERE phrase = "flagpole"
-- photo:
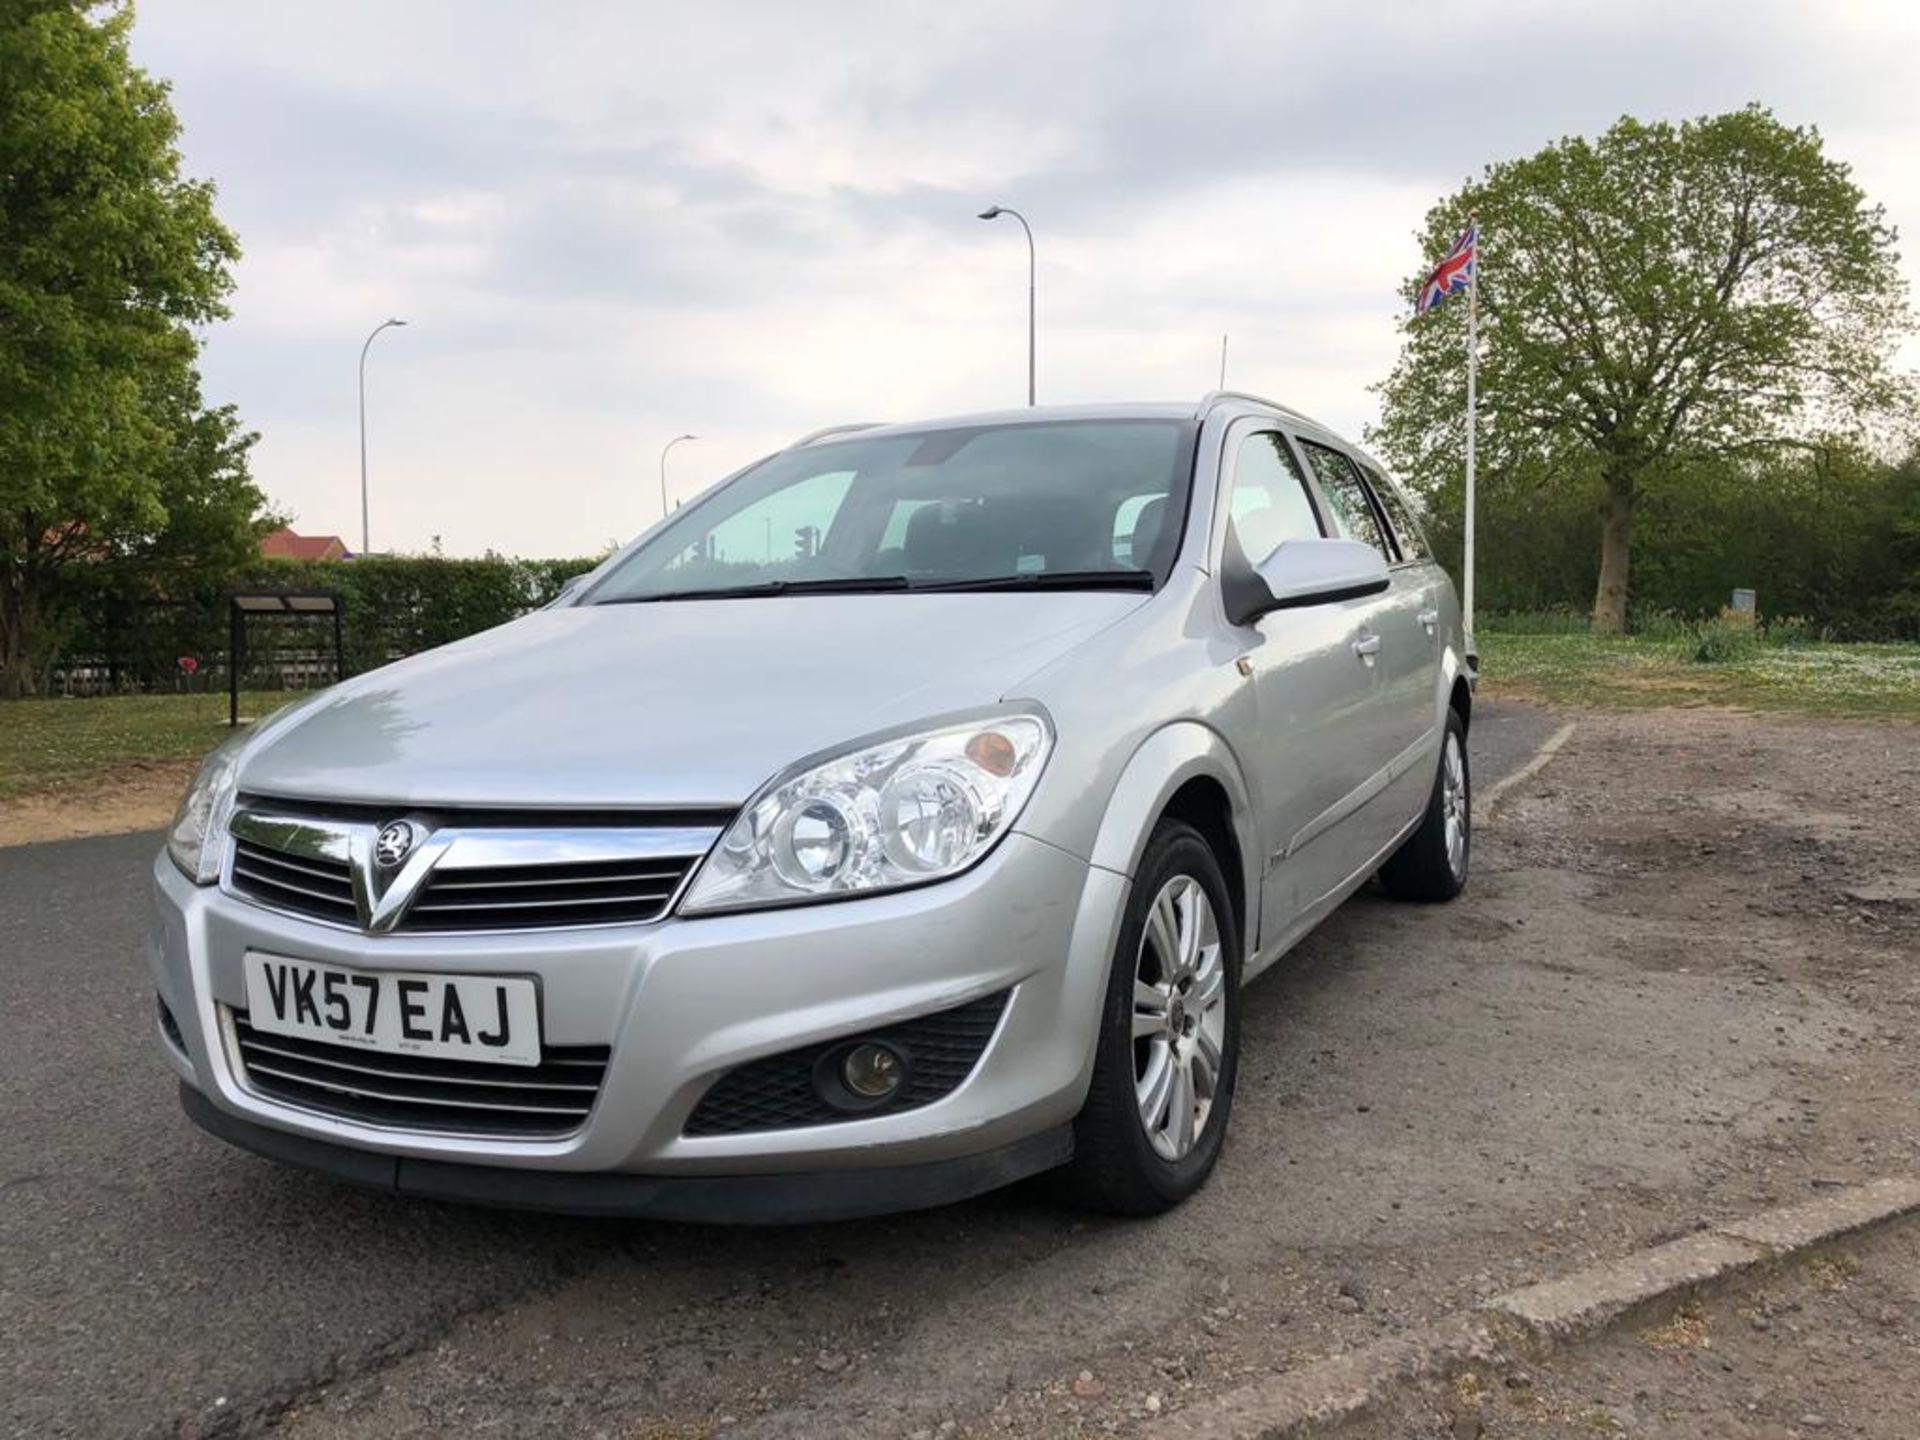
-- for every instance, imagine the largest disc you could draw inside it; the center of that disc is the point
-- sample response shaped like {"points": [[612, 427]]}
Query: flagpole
{"points": [[1473, 362]]}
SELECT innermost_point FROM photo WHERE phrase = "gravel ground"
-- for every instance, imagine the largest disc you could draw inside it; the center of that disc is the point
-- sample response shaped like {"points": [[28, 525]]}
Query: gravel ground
{"points": [[1826, 1344], [1682, 984]]}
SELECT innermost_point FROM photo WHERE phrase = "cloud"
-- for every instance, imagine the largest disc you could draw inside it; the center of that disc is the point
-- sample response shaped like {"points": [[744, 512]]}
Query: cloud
{"points": [[609, 224]]}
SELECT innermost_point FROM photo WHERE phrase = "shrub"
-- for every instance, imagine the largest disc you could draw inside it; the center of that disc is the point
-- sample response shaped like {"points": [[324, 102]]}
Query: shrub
{"points": [[1651, 623], [1718, 641], [1790, 632]]}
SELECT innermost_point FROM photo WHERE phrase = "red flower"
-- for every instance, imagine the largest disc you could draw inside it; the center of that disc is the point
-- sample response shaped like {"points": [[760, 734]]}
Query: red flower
{"points": [[188, 665]]}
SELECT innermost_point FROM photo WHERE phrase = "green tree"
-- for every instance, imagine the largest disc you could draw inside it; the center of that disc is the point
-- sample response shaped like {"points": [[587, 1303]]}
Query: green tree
{"points": [[1900, 611], [109, 460], [1660, 295]]}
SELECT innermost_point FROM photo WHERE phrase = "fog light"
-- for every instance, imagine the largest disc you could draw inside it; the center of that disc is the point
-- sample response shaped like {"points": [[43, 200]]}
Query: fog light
{"points": [[872, 1072]]}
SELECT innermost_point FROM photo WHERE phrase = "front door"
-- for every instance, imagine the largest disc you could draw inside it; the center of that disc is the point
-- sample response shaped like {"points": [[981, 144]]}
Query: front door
{"points": [[1316, 684]]}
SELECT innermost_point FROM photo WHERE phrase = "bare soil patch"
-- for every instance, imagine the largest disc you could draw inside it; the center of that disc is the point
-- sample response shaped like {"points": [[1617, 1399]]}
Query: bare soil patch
{"points": [[139, 795]]}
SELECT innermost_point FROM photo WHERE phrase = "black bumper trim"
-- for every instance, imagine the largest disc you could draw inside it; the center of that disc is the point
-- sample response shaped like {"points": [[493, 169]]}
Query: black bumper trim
{"points": [[798, 1198]]}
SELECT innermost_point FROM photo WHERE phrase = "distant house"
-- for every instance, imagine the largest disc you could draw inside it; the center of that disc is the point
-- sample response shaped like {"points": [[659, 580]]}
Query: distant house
{"points": [[283, 544]]}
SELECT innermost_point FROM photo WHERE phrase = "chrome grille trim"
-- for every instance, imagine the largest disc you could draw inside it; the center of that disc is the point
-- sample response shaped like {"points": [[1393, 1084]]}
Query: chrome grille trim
{"points": [[324, 891], [366, 1092], [453, 880], [259, 854], [429, 903], [482, 878], [590, 892]]}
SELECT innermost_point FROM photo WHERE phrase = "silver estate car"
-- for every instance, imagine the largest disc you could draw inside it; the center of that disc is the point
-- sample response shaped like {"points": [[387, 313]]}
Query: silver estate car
{"points": [[900, 819]]}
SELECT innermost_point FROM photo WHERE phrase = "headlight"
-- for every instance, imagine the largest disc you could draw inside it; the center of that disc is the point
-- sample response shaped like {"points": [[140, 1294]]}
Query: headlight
{"points": [[892, 813], [200, 825]]}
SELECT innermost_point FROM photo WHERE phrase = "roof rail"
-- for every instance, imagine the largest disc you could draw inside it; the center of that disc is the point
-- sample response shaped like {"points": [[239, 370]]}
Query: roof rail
{"points": [[814, 435], [1215, 397]]}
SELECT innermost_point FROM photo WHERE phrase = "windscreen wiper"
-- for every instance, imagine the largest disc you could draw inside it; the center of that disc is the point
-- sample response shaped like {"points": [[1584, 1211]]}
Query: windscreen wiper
{"points": [[878, 584], [1049, 580], [838, 585]]}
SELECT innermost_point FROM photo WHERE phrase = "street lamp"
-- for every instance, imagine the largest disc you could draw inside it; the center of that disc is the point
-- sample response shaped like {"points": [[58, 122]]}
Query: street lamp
{"points": [[994, 213], [366, 545], [663, 469]]}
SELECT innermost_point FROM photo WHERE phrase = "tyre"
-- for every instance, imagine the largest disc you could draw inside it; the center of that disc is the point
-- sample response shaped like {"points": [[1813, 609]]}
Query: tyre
{"points": [[1431, 864], [1169, 1045]]}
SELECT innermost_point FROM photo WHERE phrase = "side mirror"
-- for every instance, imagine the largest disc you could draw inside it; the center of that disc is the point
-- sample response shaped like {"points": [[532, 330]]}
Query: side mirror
{"points": [[1308, 572]]}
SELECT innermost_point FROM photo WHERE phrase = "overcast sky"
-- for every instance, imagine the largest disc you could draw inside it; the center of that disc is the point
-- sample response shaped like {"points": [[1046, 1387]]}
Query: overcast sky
{"points": [[611, 223]]}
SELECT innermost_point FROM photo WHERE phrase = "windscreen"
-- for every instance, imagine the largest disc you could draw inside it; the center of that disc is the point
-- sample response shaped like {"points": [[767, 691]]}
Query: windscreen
{"points": [[1060, 504]]}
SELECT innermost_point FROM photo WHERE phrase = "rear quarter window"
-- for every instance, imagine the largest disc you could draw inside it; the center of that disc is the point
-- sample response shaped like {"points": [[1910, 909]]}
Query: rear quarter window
{"points": [[1406, 529]]}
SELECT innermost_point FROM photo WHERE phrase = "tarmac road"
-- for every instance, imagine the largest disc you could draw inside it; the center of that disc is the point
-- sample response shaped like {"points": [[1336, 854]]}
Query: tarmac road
{"points": [[151, 1279]]}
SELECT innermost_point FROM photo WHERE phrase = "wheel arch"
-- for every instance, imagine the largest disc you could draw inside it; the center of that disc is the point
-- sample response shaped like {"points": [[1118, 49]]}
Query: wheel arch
{"points": [[1203, 802], [1453, 689], [1186, 771]]}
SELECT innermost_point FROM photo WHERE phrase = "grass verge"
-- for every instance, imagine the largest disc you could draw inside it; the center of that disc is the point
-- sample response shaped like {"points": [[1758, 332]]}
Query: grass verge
{"points": [[1849, 681], [53, 745]]}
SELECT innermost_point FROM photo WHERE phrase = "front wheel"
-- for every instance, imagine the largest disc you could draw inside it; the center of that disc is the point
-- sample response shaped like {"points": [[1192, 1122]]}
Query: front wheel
{"points": [[1169, 1046], [1431, 864]]}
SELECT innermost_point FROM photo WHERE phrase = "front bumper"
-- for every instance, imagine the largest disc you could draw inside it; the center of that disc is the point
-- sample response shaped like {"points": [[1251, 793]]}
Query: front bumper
{"points": [[783, 1199], [681, 1002]]}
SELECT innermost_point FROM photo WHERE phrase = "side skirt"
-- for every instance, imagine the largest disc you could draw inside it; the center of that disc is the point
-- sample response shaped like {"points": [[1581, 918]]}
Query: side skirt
{"points": [[1329, 902]]}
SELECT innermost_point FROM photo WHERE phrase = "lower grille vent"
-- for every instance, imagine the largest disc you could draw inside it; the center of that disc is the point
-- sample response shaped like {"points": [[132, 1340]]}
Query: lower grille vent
{"points": [[415, 1092]]}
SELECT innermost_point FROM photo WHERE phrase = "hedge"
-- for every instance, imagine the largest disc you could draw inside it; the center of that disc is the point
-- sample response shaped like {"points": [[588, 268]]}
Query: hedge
{"points": [[395, 606]]}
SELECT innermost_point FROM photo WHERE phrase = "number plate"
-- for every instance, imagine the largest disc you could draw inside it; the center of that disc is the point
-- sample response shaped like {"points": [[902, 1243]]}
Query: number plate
{"points": [[452, 1017]]}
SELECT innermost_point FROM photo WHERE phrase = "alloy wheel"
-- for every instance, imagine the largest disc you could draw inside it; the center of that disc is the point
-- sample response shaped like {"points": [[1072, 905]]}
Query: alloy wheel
{"points": [[1453, 800], [1179, 1017]]}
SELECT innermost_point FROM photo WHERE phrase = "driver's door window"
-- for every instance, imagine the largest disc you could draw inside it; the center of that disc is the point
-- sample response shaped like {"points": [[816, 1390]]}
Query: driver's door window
{"points": [[1269, 502]]}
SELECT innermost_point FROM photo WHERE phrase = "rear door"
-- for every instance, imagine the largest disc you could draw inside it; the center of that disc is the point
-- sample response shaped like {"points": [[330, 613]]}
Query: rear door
{"points": [[1414, 675], [1400, 731]]}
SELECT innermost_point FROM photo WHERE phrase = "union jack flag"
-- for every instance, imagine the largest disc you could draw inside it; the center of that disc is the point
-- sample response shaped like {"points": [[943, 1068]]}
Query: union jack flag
{"points": [[1452, 274]]}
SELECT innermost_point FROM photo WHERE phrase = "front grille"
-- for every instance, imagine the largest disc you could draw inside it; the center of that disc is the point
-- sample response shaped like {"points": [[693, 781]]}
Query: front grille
{"points": [[778, 1092], [470, 870], [518, 897], [416, 1092], [306, 885]]}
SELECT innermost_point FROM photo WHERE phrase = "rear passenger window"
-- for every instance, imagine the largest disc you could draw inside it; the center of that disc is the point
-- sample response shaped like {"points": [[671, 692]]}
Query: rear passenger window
{"points": [[1353, 517], [1406, 530], [1269, 503]]}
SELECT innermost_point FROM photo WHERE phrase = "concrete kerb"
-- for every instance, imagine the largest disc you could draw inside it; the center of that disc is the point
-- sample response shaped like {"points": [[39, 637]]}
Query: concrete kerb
{"points": [[1498, 791], [1320, 1395]]}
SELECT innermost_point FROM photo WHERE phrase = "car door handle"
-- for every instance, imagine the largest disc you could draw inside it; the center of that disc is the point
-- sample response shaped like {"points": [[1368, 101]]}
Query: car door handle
{"points": [[1428, 618], [1367, 647]]}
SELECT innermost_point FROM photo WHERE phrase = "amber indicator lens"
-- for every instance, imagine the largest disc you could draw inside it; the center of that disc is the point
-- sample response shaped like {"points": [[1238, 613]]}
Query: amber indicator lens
{"points": [[993, 753]]}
